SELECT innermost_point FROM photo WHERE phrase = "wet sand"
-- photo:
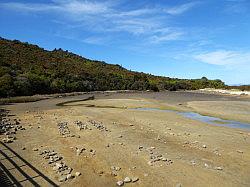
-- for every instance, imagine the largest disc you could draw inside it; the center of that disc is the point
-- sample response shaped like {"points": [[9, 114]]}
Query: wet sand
{"points": [[161, 149]]}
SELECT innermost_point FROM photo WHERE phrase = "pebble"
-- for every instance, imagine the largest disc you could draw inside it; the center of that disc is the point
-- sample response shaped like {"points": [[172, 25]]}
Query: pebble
{"points": [[113, 173], [164, 159], [120, 183], [127, 180], [77, 174], [62, 179], [117, 168], [135, 179], [239, 151], [193, 162], [218, 168], [79, 151], [70, 176], [150, 163]]}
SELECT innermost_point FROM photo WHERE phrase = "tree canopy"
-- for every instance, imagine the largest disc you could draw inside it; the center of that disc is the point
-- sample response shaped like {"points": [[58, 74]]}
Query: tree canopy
{"points": [[27, 69]]}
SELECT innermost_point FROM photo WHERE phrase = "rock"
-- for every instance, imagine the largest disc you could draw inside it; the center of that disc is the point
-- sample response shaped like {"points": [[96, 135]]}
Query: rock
{"points": [[70, 176], [127, 180], [218, 168], [135, 179], [140, 147], [79, 151], [58, 165], [204, 146], [114, 173], [117, 168], [23, 148], [120, 183], [35, 149], [193, 162], [164, 159], [7, 140], [77, 174], [62, 179], [150, 163], [239, 151]]}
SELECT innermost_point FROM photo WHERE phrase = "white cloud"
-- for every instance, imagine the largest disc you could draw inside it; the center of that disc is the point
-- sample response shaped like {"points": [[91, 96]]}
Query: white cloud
{"points": [[95, 40], [181, 8], [107, 17], [223, 57], [166, 37], [72, 7]]}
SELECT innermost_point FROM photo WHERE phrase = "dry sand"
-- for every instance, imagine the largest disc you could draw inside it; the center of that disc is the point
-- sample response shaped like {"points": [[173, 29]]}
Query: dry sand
{"points": [[197, 154]]}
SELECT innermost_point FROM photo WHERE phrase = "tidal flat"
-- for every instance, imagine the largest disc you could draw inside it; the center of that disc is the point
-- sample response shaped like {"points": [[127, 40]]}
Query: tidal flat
{"points": [[105, 140]]}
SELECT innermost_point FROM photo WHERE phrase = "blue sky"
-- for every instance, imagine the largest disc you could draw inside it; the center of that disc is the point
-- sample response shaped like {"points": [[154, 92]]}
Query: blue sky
{"points": [[175, 38]]}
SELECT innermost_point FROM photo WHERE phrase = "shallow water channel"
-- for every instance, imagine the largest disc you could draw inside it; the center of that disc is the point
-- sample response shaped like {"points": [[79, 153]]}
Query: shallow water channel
{"points": [[206, 119]]}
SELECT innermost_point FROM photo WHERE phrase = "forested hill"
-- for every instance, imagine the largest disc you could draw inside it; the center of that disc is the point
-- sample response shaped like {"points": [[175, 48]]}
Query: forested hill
{"points": [[27, 69]]}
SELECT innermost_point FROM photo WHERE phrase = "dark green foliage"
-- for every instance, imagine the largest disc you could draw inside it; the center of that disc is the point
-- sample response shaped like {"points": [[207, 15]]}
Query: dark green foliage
{"points": [[242, 87], [27, 69]]}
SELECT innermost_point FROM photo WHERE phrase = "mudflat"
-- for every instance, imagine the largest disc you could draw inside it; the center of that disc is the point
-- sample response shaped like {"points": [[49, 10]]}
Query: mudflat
{"points": [[106, 140]]}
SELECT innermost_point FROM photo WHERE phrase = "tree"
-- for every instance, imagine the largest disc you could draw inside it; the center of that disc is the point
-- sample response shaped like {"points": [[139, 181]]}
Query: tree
{"points": [[6, 86]]}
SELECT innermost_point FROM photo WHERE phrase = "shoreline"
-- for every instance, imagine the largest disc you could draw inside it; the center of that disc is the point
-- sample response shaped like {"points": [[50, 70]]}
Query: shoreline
{"points": [[39, 97]]}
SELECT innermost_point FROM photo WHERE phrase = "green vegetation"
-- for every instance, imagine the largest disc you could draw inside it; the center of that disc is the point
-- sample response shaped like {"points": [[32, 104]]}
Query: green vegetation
{"points": [[27, 69], [242, 87]]}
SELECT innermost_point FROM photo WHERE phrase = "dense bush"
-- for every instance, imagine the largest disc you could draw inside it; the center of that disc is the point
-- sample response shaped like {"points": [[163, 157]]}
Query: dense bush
{"points": [[26, 69]]}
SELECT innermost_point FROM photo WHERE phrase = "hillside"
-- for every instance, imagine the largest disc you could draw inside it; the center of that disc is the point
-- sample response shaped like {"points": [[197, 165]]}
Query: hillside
{"points": [[27, 69]]}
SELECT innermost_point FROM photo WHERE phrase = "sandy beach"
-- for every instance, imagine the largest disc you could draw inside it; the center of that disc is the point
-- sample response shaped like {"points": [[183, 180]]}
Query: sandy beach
{"points": [[108, 139]]}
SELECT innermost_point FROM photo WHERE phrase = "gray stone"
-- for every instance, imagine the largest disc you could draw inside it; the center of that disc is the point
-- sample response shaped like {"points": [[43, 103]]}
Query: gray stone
{"points": [[70, 176], [164, 159], [117, 168], [218, 168], [77, 174], [120, 183], [62, 179], [239, 151], [127, 180], [135, 179]]}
